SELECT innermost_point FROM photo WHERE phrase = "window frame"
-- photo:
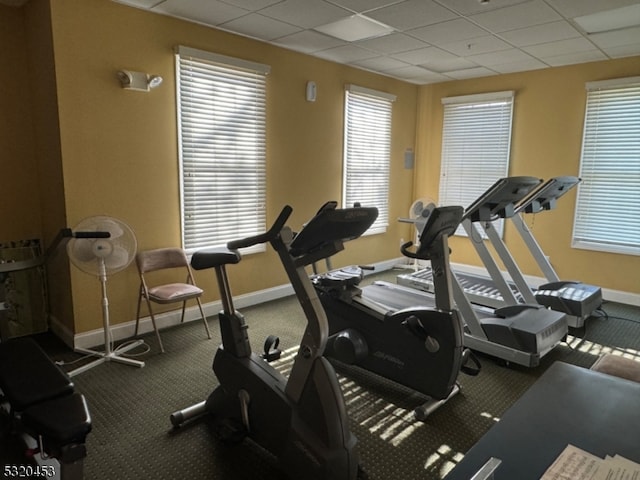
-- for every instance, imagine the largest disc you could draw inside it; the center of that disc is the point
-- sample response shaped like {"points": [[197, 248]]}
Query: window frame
{"points": [[220, 149], [606, 176], [460, 123], [362, 141]]}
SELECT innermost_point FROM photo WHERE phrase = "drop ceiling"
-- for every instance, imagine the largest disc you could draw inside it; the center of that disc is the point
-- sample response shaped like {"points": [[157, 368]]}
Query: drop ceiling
{"points": [[428, 41]]}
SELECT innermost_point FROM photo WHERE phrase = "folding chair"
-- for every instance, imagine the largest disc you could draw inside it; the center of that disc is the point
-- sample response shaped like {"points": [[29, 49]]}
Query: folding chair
{"points": [[166, 293]]}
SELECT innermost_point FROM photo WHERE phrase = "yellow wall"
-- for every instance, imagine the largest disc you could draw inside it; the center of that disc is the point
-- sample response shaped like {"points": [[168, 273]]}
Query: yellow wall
{"points": [[546, 142], [119, 147], [20, 205], [87, 147]]}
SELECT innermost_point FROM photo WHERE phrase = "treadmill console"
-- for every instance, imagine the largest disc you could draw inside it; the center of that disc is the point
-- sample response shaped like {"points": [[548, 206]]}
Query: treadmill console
{"points": [[545, 197], [500, 199]]}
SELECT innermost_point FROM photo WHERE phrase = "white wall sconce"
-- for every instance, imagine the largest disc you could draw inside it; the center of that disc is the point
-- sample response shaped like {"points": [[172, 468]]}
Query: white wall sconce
{"points": [[142, 82]]}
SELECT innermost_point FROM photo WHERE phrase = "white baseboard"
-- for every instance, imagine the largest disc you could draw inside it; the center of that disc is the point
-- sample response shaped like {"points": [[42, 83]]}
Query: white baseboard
{"points": [[126, 330]]}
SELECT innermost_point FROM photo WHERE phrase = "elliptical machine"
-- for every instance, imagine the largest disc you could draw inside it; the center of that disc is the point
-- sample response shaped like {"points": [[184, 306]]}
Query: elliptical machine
{"points": [[301, 420], [418, 344]]}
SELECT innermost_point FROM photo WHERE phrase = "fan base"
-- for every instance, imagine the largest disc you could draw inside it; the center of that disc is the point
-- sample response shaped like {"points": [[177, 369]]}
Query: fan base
{"points": [[107, 357]]}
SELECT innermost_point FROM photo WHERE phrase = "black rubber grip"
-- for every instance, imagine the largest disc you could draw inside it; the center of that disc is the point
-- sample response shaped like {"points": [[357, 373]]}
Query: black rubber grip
{"points": [[263, 237]]}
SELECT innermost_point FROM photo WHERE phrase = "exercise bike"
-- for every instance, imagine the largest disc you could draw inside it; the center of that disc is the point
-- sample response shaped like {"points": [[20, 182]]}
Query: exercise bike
{"points": [[301, 420], [418, 344]]}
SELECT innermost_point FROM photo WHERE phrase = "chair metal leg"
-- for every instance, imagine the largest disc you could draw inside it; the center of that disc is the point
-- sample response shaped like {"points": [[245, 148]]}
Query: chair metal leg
{"points": [[184, 307], [135, 334], [204, 319], [155, 327]]}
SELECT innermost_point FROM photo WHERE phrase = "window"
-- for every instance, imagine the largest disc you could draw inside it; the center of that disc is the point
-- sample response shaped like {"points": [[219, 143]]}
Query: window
{"points": [[476, 141], [367, 151], [221, 117], [608, 204]]}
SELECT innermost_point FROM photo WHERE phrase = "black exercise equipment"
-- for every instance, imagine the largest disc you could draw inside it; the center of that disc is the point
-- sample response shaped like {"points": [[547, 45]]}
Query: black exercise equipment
{"points": [[577, 300], [301, 420], [385, 330], [43, 408], [516, 332]]}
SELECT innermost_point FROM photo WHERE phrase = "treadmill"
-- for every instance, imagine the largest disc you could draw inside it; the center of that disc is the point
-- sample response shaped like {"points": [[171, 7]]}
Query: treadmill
{"points": [[575, 299], [518, 333], [578, 300]]}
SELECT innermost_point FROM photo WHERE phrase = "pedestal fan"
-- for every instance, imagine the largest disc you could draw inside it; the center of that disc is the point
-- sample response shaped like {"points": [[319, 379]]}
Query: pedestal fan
{"points": [[419, 213], [103, 246]]}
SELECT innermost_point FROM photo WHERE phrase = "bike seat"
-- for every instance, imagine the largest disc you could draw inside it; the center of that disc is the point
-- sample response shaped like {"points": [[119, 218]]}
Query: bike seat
{"points": [[214, 257]]}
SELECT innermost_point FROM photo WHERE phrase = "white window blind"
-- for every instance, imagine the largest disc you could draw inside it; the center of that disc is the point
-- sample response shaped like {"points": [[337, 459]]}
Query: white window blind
{"points": [[221, 117], [476, 142], [367, 151], [608, 204]]}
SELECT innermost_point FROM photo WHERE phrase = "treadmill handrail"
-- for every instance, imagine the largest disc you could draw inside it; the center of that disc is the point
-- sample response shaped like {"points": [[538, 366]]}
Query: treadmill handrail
{"points": [[442, 221]]}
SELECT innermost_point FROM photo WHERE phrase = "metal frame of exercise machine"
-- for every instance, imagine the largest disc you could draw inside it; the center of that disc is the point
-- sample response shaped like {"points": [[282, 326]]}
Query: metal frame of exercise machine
{"points": [[516, 332], [575, 299], [418, 345], [578, 300], [301, 419]]}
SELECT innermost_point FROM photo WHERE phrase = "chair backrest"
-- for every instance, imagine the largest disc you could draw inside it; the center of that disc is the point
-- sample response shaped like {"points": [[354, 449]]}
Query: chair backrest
{"points": [[161, 258]]}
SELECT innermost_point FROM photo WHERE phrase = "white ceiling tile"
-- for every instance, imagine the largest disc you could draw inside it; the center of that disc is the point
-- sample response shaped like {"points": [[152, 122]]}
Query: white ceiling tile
{"points": [[617, 38], [548, 32], [411, 14], [251, 5], [469, 7], [380, 63], [417, 75], [469, 73], [577, 8], [394, 43], [259, 26], [622, 51], [427, 77], [571, 58], [423, 55], [210, 12], [476, 46], [522, 66], [501, 57], [361, 6], [308, 41], [305, 14], [464, 36], [345, 54], [441, 65], [519, 16], [561, 47], [446, 32]]}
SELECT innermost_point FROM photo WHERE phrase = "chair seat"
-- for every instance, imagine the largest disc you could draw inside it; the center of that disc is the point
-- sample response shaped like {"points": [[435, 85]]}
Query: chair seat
{"points": [[173, 292]]}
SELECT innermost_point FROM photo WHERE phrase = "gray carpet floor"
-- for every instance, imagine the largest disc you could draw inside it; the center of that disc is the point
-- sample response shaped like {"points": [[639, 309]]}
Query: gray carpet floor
{"points": [[132, 437]]}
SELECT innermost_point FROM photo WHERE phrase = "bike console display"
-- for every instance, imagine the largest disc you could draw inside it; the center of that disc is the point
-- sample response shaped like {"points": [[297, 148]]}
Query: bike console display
{"points": [[331, 225]]}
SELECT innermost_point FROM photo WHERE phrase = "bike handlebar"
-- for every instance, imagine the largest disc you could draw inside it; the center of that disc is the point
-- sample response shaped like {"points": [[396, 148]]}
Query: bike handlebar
{"points": [[263, 237]]}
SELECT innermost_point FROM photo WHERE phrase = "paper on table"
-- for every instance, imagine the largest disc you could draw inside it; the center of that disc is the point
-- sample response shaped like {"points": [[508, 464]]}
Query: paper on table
{"points": [[573, 464], [576, 464], [618, 468]]}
